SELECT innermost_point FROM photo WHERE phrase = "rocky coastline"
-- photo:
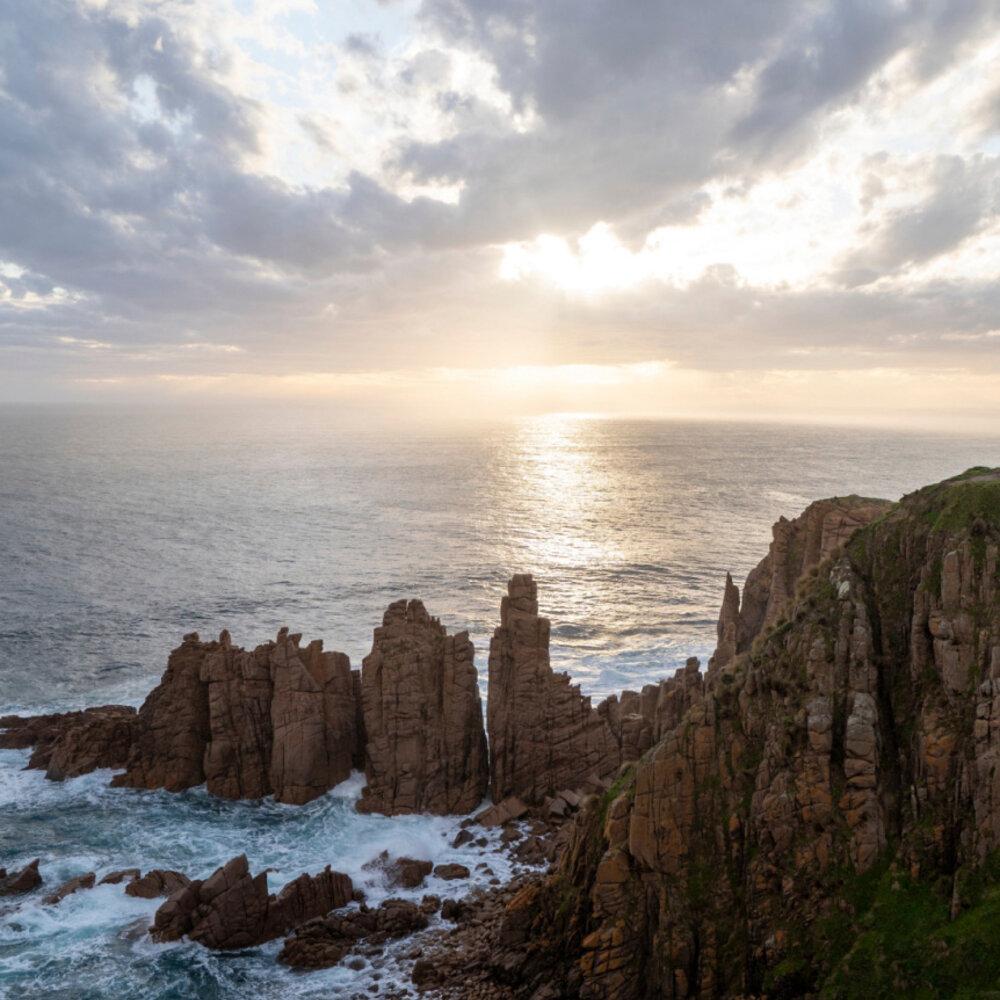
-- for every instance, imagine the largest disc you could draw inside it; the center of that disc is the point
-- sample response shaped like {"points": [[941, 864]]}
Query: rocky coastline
{"points": [[731, 832]]}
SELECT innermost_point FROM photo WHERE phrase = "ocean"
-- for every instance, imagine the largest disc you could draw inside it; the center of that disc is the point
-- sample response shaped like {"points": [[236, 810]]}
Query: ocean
{"points": [[122, 530]]}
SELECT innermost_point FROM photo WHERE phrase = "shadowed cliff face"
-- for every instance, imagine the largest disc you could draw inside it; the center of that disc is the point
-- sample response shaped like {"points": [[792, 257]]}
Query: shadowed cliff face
{"points": [[857, 739]]}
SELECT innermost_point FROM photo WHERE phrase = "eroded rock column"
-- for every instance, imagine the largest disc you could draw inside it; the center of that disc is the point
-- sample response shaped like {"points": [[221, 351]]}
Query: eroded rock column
{"points": [[544, 735], [423, 718]]}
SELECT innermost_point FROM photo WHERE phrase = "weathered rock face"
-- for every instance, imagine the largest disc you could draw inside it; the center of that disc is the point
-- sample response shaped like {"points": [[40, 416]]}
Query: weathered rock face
{"points": [[798, 546], [99, 740], [544, 735], [173, 728], [862, 732], [276, 720], [314, 718], [232, 909], [638, 720], [69, 744], [237, 757], [423, 718]]}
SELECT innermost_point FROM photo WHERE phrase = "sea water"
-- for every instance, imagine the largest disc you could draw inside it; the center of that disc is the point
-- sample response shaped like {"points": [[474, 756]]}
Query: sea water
{"points": [[121, 531]]}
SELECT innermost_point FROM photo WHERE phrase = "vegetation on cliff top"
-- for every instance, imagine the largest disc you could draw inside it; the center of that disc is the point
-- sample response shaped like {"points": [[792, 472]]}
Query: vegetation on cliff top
{"points": [[908, 944]]}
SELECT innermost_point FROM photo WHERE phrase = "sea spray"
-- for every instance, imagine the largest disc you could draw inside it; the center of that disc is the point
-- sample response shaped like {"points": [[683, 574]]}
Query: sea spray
{"points": [[94, 943]]}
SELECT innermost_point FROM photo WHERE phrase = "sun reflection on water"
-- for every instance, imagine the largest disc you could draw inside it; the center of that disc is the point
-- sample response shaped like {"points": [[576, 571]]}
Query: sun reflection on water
{"points": [[562, 480]]}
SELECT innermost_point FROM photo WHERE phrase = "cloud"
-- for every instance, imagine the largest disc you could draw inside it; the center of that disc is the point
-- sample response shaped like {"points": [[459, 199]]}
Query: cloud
{"points": [[963, 198], [772, 183]]}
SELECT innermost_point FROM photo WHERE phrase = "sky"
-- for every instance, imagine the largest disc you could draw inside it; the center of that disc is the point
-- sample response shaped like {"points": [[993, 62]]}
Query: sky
{"points": [[756, 208]]}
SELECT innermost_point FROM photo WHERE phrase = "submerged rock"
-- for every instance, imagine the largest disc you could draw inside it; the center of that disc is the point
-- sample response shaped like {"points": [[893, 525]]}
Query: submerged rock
{"points": [[69, 887]]}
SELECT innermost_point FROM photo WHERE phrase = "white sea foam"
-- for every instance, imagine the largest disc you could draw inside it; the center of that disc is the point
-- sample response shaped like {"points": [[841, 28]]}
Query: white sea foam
{"points": [[94, 943]]}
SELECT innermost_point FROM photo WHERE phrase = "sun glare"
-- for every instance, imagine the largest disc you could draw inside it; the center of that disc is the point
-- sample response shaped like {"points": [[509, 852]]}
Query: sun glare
{"points": [[598, 263]]}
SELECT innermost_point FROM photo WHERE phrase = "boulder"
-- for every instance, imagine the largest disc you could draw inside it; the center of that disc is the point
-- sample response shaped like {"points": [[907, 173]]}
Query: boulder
{"points": [[511, 808], [305, 898], [462, 838], [424, 974], [450, 872], [423, 720], [155, 883], [122, 875], [402, 873], [19, 882]]}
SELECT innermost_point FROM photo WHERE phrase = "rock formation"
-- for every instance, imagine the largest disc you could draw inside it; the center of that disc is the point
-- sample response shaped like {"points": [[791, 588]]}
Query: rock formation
{"points": [[816, 789], [402, 873], [544, 735], [232, 909], [155, 883], [314, 717], [322, 943], [20, 882], [173, 728], [276, 720], [69, 744], [639, 719], [69, 887], [423, 718], [798, 546]]}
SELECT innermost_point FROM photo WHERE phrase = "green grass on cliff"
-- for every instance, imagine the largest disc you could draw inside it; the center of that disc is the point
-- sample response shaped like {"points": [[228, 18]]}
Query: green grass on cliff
{"points": [[909, 947], [965, 503], [957, 503]]}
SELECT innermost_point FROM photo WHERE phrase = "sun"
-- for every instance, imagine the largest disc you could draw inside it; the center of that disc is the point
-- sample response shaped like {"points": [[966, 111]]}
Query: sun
{"points": [[599, 262]]}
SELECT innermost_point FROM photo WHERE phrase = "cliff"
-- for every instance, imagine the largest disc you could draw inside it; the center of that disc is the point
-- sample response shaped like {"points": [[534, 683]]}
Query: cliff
{"points": [[825, 816]]}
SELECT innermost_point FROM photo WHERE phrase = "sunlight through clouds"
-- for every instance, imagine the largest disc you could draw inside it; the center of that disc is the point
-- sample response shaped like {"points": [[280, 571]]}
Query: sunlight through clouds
{"points": [[233, 193]]}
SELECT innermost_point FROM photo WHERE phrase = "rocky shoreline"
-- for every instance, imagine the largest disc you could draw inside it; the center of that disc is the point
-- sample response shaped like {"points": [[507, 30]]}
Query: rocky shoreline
{"points": [[722, 833]]}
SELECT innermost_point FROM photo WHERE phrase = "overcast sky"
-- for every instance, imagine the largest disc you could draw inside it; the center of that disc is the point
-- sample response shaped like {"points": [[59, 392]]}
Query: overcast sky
{"points": [[732, 206]]}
